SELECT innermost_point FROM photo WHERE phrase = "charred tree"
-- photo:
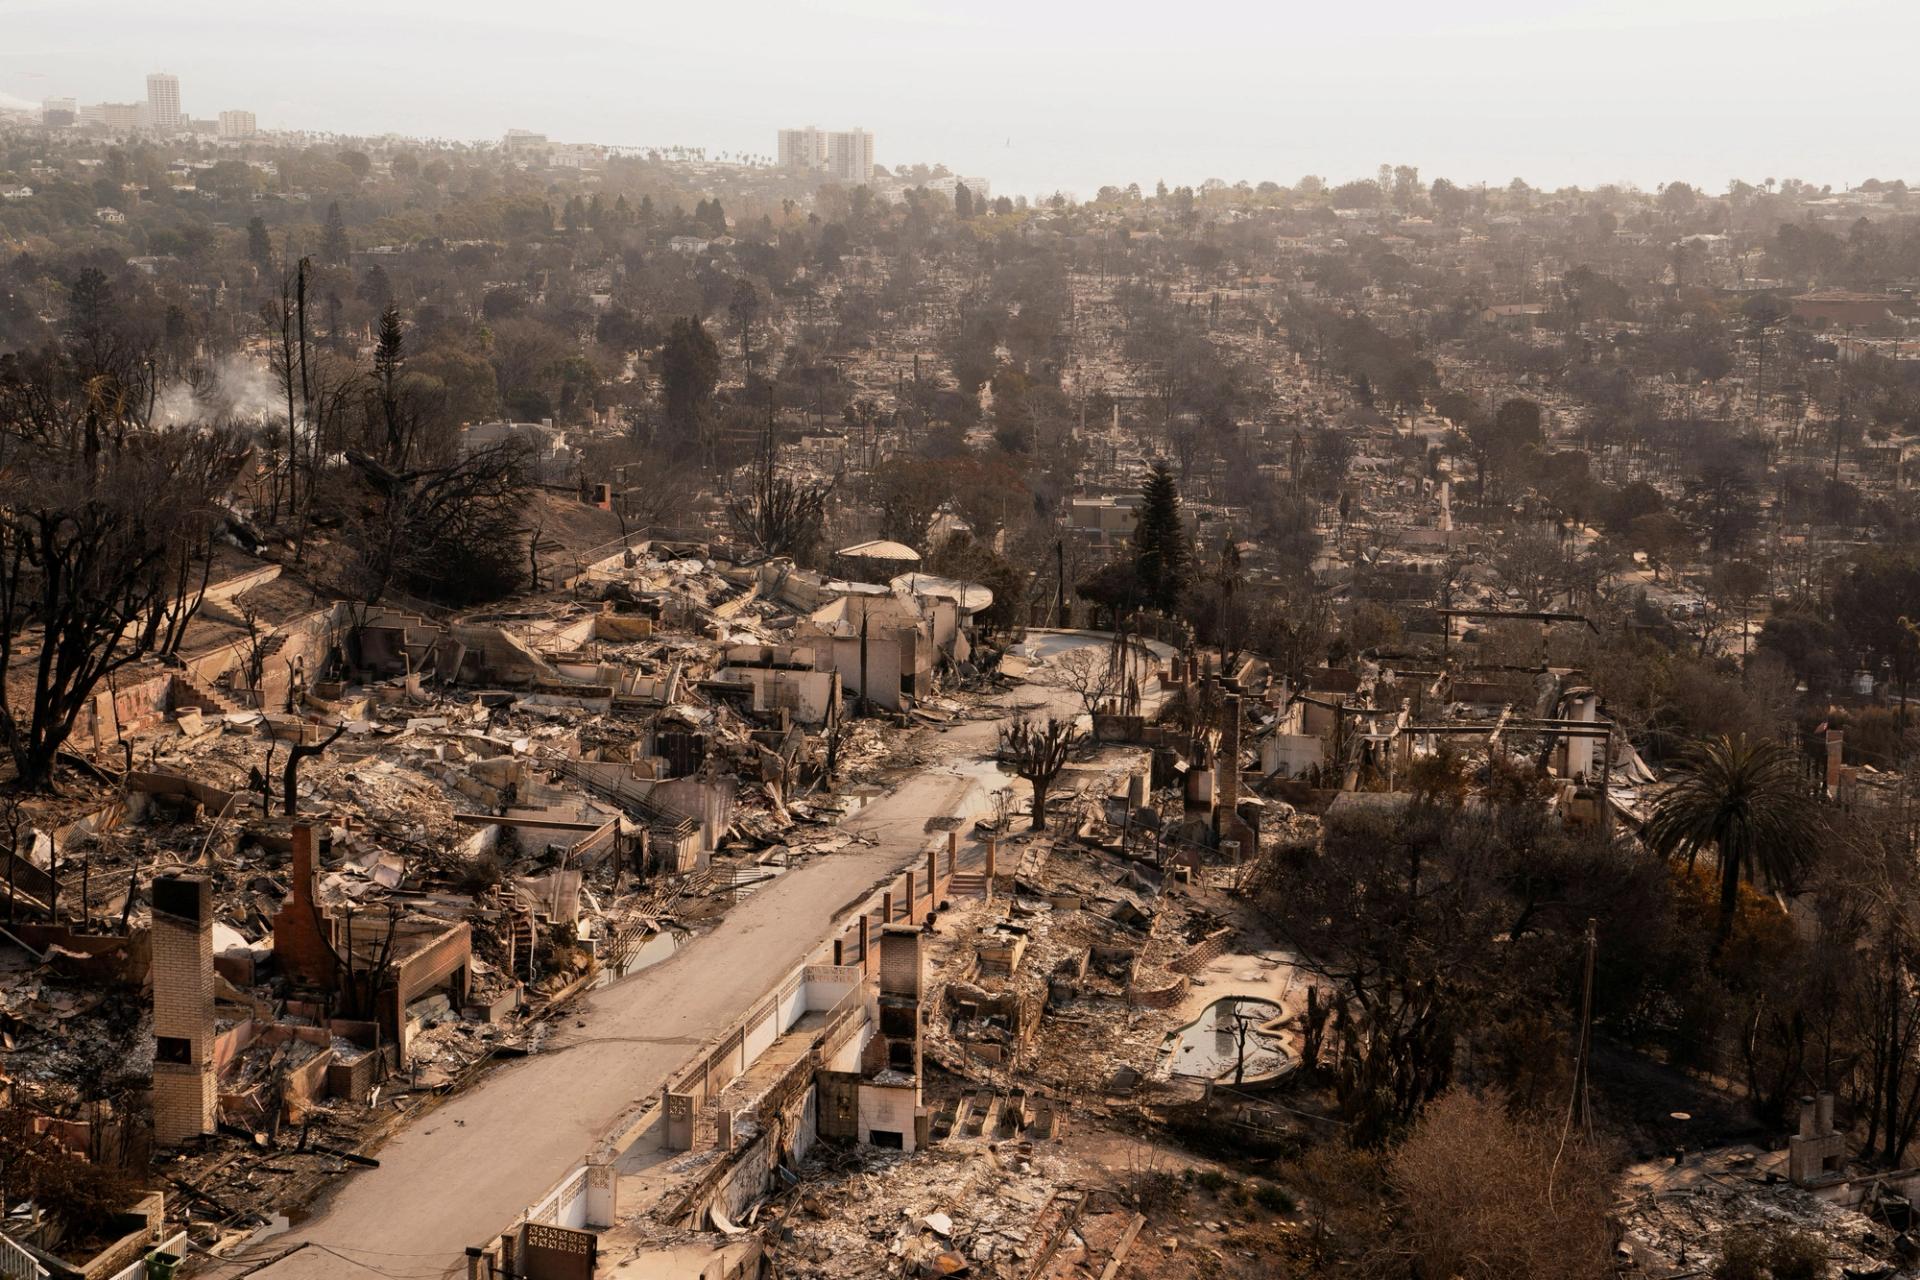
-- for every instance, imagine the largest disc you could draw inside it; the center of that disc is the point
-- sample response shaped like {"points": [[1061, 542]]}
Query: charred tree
{"points": [[1038, 751], [290, 774]]}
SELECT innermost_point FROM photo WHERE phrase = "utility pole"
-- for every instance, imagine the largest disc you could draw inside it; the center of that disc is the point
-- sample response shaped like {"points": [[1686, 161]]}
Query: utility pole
{"points": [[1060, 589], [1581, 1066]]}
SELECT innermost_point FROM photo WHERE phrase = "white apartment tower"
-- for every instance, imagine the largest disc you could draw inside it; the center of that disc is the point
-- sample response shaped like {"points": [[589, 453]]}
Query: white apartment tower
{"points": [[236, 126], [803, 148], [163, 103], [850, 156], [845, 156]]}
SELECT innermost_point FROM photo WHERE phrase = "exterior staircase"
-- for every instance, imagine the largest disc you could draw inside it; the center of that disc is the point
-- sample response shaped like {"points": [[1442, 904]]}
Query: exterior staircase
{"points": [[189, 690], [520, 945], [968, 884]]}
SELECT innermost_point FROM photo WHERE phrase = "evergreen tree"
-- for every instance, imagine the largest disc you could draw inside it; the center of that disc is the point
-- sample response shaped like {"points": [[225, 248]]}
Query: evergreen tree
{"points": [[334, 245], [962, 201], [689, 368], [389, 359], [259, 243], [376, 290], [1159, 542]]}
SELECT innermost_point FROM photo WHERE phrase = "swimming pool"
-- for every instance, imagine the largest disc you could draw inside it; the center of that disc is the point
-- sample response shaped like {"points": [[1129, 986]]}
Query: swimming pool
{"points": [[1209, 1046]]}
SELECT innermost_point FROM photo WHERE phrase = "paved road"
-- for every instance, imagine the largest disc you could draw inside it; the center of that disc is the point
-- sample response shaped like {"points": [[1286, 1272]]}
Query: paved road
{"points": [[462, 1172]]}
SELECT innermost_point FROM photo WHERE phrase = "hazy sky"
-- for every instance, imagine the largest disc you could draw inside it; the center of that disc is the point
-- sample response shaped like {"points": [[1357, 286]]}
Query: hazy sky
{"points": [[1045, 94]]}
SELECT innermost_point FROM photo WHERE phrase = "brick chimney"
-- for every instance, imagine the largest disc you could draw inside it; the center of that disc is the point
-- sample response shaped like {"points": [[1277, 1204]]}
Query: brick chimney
{"points": [[902, 978], [303, 935], [1227, 764], [183, 1082]]}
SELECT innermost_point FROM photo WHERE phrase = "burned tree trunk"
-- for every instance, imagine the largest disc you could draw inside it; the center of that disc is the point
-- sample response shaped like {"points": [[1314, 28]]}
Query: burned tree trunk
{"points": [[1038, 751], [289, 779]]}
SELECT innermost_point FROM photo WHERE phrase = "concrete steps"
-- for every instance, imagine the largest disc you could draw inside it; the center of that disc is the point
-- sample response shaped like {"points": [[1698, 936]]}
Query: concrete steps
{"points": [[193, 692]]}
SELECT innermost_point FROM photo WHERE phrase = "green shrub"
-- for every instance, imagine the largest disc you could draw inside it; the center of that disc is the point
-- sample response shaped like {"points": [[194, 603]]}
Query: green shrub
{"points": [[1794, 1255], [1274, 1198], [1743, 1256]]}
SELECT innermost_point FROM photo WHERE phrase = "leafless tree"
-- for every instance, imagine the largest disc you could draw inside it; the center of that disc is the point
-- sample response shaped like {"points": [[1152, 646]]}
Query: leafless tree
{"points": [[1090, 675], [290, 777], [254, 664], [451, 530], [1038, 751], [779, 514]]}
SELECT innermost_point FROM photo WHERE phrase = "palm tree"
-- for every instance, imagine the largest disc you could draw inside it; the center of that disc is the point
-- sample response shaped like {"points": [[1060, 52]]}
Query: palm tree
{"points": [[1745, 799]]}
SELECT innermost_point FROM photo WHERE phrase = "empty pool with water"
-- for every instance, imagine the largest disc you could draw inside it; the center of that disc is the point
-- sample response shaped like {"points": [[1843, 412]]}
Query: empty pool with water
{"points": [[1210, 1046]]}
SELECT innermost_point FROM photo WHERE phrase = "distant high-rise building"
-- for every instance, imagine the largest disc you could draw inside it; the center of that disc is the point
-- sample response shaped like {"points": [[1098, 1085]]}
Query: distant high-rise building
{"points": [[803, 148], [525, 143], [122, 117], [236, 125], [163, 103], [850, 156], [59, 113], [846, 156]]}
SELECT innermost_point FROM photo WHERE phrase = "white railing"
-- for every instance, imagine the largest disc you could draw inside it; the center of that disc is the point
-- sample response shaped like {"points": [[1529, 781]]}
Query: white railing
{"points": [[177, 1246], [17, 1264]]}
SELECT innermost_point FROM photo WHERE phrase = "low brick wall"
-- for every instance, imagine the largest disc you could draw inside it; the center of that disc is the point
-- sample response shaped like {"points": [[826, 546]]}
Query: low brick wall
{"points": [[1162, 998], [1204, 952]]}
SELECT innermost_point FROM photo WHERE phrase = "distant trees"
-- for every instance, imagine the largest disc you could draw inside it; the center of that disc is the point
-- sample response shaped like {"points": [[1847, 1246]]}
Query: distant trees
{"points": [[1113, 589], [743, 308], [1533, 563], [1361, 194], [1720, 499], [906, 494], [1291, 628], [1660, 536], [1449, 201], [1878, 605], [970, 559], [259, 244], [1160, 552], [103, 370], [689, 371], [962, 201], [335, 247], [1329, 459], [1500, 440], [441, 521]]}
